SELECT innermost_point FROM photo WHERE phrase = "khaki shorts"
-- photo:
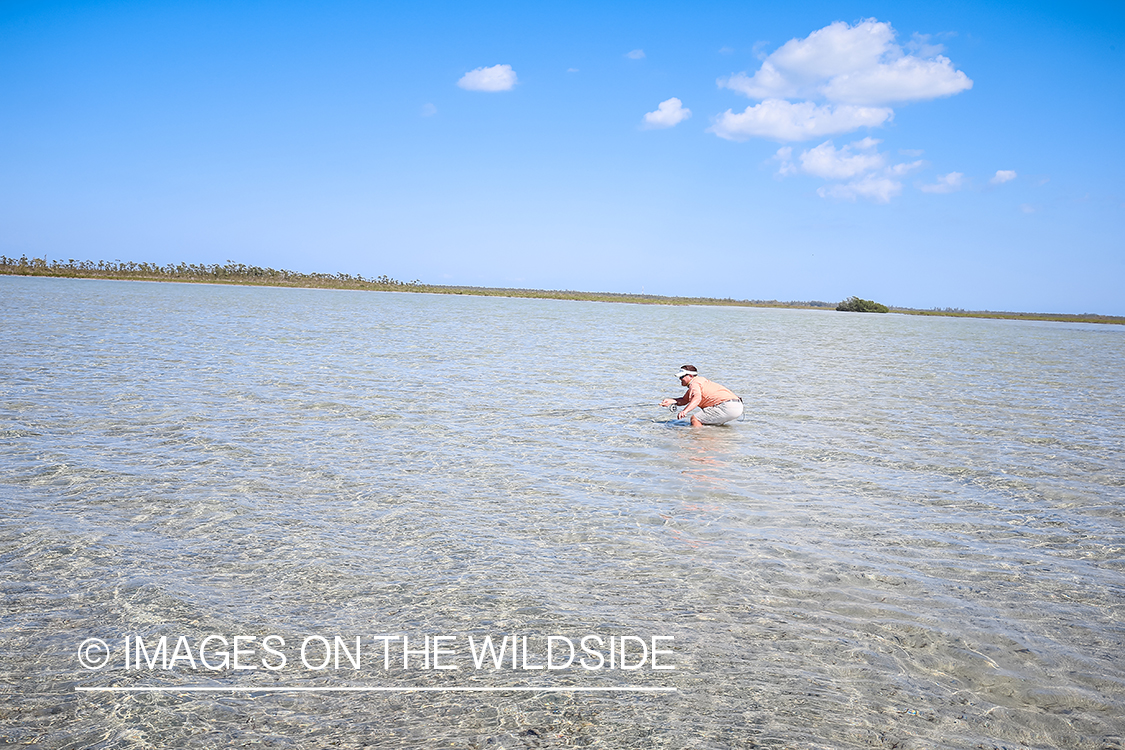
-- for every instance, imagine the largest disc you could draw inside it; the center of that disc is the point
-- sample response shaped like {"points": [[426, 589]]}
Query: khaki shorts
{"points": [[728, 411]]}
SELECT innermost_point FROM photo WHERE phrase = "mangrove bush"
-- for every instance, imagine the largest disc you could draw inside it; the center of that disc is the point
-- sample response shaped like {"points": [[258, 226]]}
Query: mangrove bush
{"points": [[855, 304]]}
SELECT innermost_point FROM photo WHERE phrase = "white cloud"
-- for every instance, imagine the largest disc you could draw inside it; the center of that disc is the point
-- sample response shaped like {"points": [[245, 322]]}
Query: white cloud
{"points": [[835, 49], [784, 155], [899, 170], [572, 70], [670, 112], [785, 121], [851, 69], [496, 78], [1002, 176], [429, 110], [949, 183], [904, 80], [827, 162], [767, 83], [858, 64], [878, 188], [859, 163], [636, 54]]}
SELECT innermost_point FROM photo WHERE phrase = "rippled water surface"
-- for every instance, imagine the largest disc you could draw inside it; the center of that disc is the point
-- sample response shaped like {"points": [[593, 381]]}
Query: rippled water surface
{"points": [[914, 539]]}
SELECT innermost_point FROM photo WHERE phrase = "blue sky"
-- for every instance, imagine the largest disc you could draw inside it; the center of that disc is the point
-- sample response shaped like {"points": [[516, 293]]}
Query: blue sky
{"points": [[951, 155]]}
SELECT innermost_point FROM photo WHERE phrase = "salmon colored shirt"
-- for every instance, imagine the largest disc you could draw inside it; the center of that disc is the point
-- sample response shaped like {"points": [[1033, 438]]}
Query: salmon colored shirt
{"points": [[709, 393]]}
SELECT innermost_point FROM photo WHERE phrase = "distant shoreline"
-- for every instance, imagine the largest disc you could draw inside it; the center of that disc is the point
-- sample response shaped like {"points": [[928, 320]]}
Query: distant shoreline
{"points": [[242, 275]]}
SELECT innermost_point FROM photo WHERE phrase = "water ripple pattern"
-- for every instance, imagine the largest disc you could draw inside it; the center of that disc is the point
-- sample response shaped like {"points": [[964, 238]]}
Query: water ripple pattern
{"points": [[914, 538]]}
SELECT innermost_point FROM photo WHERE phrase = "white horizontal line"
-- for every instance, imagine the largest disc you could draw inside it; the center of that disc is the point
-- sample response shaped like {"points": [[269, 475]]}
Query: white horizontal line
{"points": [[374, 689]]}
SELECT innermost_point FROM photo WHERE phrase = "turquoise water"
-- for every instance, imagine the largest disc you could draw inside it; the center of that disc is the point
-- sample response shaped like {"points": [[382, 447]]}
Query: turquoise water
{"points": [[915, 537]]}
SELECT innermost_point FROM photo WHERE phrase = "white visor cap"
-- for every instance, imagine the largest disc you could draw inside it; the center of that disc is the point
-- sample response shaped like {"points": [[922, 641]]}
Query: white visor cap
{"points": [[681, 373]]}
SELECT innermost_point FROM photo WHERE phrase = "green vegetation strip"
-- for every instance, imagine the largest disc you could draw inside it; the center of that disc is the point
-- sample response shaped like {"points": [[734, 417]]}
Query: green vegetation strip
{"points": [[237, 273]]}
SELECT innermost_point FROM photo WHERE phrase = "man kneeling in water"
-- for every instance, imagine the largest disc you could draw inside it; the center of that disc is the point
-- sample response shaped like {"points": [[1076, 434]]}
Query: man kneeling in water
{"points": [[717, 404]]}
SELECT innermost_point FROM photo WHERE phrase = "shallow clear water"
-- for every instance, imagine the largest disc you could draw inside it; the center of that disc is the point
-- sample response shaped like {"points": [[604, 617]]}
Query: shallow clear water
{"points": [[915, 537]]}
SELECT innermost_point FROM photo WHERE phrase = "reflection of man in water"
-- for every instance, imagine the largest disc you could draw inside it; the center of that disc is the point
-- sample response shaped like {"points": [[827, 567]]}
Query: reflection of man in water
{"points": [[717, 404]]}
